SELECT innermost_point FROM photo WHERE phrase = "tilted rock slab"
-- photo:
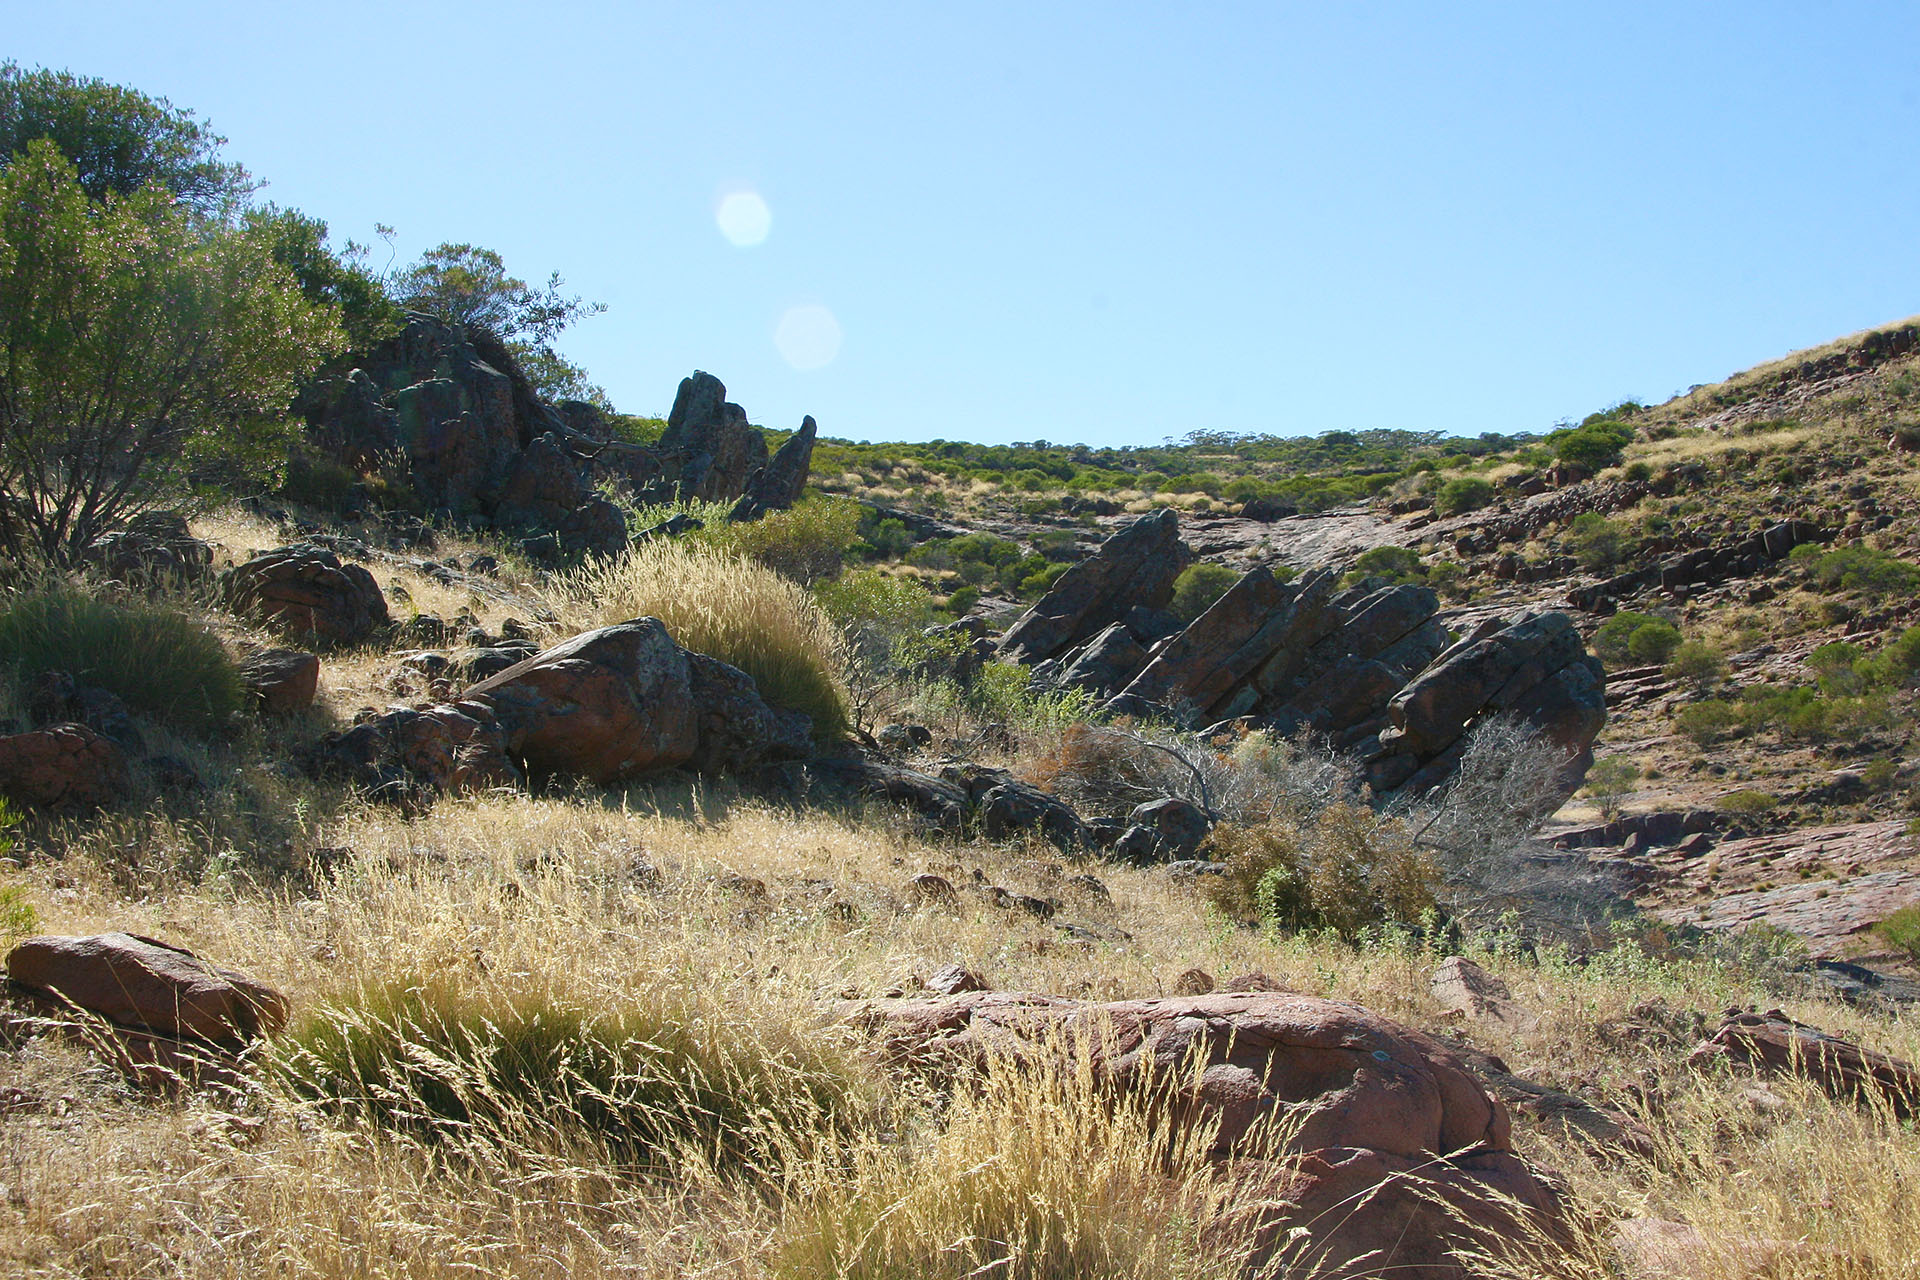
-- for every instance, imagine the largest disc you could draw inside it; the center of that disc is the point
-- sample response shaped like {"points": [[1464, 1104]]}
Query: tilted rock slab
{"points": [[1381, 1125], [1136, 566]]}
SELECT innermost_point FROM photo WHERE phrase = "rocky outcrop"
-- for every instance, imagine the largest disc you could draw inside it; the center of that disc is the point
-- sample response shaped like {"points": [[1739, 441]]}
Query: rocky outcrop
{"points": [[778, 485], [282, 682], [306, 591], [1771, 1043], [1373, 671], [1392, 1137], [1704, 566], [1136, 566], [65, 766], [145, 984], [605, 706], [452, 408], [709, 449]]}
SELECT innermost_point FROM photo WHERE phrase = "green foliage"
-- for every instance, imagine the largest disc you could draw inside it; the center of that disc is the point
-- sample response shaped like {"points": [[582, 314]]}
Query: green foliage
{"points": [[865, 597], [1608, 781], [1385, 567], [1004, 692], [1901, 930], [808, 542], [1198, 586], [1595, 444], [529, 1068], [637, 430], [1707, 722], [118, 140], [556, 378], [1652, 643], [1613, 641], [1896, 662], [1857, 568], [1697, 663], [328, 279], [158, 660], [1462, 494], [1348, 870], [1597, 542], [1746, 804], [1792, 713], [466, 284], [140, 353]]}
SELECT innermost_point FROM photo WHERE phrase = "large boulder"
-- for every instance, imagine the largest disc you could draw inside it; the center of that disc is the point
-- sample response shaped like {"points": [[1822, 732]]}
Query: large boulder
{"points": [[146, 984], [407, 756], [709, 449], [1390, 1156], [1136, 566], [64, 766], [1237, 637], [306, 591]]}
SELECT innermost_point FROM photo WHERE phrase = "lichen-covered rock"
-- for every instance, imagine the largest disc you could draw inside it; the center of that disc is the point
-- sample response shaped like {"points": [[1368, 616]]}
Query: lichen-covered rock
{"points": [[709, 448], [779, 484], [282, 681]]}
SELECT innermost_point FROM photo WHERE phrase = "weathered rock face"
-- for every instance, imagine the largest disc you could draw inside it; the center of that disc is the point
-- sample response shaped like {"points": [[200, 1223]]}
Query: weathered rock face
{"points": [[155, 547], [1135, 567], [1372, 671], [282, 681], [1771, 1043], [304, 590], [550, 490], [778, 485], [66, 766], [1388, 1120], [709, 448], [605, 706], [144, 984]]}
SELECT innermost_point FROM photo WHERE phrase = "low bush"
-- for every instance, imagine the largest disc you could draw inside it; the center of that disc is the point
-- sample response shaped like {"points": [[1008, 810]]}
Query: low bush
{"points": [[1697, 663], [1747, 803], [728, 607], [1346, 870], [520, 1070], [1901, 931], [1857, 568], [806, 543], [1614, 640], [1462, 494], [1707, 722], [1385, 567], [160, 661], [1652, 643], [1198, 586]]}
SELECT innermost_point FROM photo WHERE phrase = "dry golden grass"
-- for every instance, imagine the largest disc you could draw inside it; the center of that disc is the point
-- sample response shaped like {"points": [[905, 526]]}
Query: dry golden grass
{"points": [[755, 921]]}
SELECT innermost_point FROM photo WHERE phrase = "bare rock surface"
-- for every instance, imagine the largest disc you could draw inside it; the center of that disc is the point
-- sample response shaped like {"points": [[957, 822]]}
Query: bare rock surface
{"points": [[282, 681], [307, 591], [1772, 1043], [1383, 1123], [1136, 566], [145, 984]]}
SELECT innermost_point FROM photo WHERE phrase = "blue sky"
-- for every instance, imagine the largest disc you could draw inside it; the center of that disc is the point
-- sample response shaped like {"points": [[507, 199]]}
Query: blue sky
{"points": [[1107, 223]]}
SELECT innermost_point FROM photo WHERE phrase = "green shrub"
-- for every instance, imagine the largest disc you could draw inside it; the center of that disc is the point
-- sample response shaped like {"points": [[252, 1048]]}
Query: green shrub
{"points": [[1748, 803], [1613, 641], [1697, 663], [1608, 781], [1653, 642], [1707, 722], [1857, 568], [1349, 870], [158, 660], [1385, 566], [962, 600], [1836, 666], [1896, 661], [1901, 930], [1198, 586], [1597, 542], [1592, 447], [1004, 692], [520, 1069], [807, 543], [1462, 494]]}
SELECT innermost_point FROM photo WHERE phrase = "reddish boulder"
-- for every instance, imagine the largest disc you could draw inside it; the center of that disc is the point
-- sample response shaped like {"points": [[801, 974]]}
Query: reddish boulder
{"points": [[1771, 1043], [406, 755], [140, 983], [305, 590], [65, 766], [1392, 1154], [282, 681]]}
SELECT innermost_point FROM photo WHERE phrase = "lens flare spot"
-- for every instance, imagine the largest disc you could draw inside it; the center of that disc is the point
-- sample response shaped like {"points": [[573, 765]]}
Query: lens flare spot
{"points": [[743, 218], [808, 337]]}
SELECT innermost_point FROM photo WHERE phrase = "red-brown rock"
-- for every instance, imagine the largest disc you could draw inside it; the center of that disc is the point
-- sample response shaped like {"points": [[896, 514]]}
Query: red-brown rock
{"points": [[144, 984], [1383, 1125], [66, 766], [282, 681], [305, 590], [1771, 1043]]}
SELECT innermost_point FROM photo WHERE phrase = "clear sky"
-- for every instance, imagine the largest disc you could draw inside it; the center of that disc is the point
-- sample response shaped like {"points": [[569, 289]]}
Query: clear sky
{"points": [[1106, 223]]}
